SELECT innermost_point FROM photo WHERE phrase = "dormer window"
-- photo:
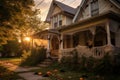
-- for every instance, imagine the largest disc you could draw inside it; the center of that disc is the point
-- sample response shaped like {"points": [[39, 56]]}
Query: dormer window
{"points": [[94, 7], [57, 20], [60, 20]]}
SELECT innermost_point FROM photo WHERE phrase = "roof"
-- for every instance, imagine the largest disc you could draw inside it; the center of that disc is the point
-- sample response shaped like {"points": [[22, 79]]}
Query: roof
{"points": [[65, 7], [62, 6], [114, 2], [108, 14], [43, 34]]}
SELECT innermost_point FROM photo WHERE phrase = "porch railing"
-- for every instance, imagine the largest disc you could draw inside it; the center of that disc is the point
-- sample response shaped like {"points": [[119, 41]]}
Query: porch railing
{"points": [[66, 52], [96, 52]]}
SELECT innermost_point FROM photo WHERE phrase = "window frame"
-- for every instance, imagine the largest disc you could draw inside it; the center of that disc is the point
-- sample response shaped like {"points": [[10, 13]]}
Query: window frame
{"points": [[94, 10]]}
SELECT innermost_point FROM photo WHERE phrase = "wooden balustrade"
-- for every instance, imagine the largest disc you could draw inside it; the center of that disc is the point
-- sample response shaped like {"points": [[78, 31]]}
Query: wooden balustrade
{"points": [[97, 52]]}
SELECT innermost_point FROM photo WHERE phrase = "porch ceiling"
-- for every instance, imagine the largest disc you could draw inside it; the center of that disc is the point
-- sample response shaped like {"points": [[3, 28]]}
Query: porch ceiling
{"points": [[90, 22], [44, 34]]}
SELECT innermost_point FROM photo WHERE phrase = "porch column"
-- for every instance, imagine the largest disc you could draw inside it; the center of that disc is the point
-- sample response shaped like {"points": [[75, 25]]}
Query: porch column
{"points": [[48, 47], [93, 31], [108, 33], [71, 41], [61, 47], [61, 42]]}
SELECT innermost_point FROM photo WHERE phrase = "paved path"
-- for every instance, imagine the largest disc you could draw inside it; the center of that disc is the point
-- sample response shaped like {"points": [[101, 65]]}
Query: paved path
{"points": [[24, 72], [31, 76]]}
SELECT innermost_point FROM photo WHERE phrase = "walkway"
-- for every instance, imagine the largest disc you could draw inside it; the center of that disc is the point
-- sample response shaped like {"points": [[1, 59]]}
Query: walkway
{"points": [[24, 72]]}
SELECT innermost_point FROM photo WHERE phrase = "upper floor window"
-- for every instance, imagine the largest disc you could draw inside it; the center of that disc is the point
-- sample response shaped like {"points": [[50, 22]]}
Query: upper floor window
{"points": [[60, 20], [94, 7], [57, 20]]}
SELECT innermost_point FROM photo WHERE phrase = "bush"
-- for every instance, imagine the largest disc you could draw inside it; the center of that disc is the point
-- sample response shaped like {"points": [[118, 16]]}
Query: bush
{"points": [[116, 65], [33, 57], [70, 62], [7, 75], [11, 49], [104, 66]]}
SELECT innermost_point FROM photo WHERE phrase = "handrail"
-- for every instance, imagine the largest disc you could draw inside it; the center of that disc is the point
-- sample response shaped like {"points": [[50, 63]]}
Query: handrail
{"points": [[96, 52]]}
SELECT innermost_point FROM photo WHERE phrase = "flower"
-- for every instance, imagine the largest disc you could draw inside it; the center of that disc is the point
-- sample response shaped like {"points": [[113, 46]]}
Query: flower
{"points": [[55, 70], [39, 73], [49, 73], [81, 78]]}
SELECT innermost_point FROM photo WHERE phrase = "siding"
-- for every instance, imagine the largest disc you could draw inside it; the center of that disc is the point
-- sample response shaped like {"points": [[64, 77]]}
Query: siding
{"points": [[56, 11], [115, 27], [104, 6]]}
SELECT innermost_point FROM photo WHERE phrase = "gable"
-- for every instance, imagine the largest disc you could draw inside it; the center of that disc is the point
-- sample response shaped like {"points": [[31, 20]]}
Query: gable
{"points": [[59, 7], [56, 10], [103, 6]]}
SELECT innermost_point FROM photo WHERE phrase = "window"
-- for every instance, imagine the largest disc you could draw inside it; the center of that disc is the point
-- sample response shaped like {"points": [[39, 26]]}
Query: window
{"points": [[57, 20], [55, 24], [60, 20], [94, 7]]}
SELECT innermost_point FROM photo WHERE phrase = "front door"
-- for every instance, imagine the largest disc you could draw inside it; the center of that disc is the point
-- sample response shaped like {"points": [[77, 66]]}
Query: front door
{"points": [[55, 46]]}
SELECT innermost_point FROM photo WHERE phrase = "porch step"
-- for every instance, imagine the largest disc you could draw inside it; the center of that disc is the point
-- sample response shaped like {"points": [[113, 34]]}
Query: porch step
{"points": [[48, 62], [54, 58]]}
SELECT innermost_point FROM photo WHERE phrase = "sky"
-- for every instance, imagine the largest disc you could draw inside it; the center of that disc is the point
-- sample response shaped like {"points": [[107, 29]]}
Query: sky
{"points": [[44, 5]]}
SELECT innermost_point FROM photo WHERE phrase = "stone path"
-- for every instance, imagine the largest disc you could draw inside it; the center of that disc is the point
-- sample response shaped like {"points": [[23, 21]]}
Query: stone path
{"points": [[30, 76], [24, 72]]}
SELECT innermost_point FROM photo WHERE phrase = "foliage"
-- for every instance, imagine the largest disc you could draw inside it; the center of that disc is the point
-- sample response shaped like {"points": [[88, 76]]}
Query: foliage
{"points": [[33, 57], [15, 61], [12, 48], [64, 73], [104, 66], [7, 75], [12, 15], [116, 65], [71, 61]]}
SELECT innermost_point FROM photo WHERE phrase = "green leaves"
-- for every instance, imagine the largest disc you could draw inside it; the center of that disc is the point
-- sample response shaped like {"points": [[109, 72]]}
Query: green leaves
{"points": [[13, 15]]}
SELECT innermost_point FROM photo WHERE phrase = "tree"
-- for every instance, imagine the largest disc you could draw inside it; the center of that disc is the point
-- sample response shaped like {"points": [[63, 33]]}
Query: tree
{"points": [[13, 14]]}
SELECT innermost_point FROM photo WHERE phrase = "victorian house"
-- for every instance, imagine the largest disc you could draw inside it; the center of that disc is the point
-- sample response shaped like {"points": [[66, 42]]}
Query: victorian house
{"points": [[93, 28]]}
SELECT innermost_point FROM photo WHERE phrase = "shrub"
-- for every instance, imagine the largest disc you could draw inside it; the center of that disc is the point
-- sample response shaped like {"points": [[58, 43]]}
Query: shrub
{"points": [[116, 65], [70, 62], [33, 57], [5, 74], [104, 66]]}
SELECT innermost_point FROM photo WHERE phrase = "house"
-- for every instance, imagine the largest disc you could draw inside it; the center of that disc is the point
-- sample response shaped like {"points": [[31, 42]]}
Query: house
{"points": [[93, 28]]}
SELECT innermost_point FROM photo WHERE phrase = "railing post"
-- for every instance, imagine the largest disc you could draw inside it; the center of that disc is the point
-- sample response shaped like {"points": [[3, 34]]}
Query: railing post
{"points": [[61, 47], [48, 47], [108, 33]]}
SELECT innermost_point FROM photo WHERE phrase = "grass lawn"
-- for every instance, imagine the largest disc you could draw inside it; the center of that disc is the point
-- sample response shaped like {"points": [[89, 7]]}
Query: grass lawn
{"points": [[5, 74], [57, 72], [15, 61]]}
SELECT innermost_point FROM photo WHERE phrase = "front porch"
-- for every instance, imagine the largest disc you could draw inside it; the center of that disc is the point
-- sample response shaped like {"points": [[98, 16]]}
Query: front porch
{"points": [[93, 37], [96, 52]]}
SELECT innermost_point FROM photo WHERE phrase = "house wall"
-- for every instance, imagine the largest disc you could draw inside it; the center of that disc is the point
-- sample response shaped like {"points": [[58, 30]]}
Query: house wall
{"points": [[56, 11], [68, 21], [82, 40], [115, 27], [118, 38], [65, 19], [40, 42], [85, 12], [104, 6]]}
